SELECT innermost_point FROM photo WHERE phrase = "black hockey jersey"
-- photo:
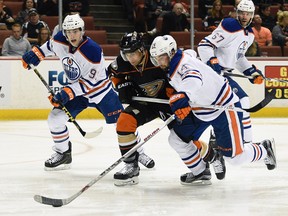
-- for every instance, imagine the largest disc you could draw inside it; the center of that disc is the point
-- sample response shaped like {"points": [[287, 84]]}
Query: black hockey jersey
{"points": [[150, 80]]}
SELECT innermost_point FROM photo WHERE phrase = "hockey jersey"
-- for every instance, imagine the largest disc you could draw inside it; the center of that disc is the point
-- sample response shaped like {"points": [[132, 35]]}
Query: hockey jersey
{"points": [[84, 66], [201, 84], [151, 81], [229, 43]]}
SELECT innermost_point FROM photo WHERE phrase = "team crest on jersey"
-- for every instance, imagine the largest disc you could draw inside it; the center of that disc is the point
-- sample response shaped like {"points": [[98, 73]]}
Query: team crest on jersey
{"points": [[242, 49], [153, 88], [71, 68]]}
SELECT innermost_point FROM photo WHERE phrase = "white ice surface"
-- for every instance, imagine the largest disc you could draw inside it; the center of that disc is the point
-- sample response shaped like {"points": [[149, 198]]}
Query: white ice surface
{"points": [[25, 145]]}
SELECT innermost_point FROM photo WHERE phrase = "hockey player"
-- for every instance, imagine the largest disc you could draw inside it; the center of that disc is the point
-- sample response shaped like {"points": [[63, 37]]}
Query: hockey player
{"points": [[197, 83], [225, 48], [89, 86], [133, 73]]}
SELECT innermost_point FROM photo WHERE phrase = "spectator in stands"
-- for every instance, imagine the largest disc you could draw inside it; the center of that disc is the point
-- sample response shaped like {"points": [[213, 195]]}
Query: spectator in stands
{"points": [[22, 16], [215, 16], [32, 27], [268, 21], [154, 9], [186, 7], [175, 20], [263, 35], [284, 7], [203, 7], [269, 2], [280, 31], [82, 7], [6, 17], [43, 36], [47, 7], [15, 45]]}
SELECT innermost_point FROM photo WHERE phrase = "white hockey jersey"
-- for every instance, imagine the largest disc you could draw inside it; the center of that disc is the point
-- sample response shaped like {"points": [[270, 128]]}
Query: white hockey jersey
{"points": [[84, 66], [229, 43], [201, 84]]}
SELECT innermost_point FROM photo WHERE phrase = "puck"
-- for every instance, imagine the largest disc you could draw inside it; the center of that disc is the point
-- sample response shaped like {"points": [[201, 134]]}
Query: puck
{"points": [[55, 205]]}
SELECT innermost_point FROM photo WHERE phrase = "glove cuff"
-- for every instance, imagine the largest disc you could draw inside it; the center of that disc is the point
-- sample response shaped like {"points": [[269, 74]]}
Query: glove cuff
{"points": [[69, 93], [249, 71], [38, 52], [177, 96]]}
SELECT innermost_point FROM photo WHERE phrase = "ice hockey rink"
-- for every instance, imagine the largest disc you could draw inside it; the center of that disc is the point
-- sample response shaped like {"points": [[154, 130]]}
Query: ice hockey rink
{"points": [[247, 190]]}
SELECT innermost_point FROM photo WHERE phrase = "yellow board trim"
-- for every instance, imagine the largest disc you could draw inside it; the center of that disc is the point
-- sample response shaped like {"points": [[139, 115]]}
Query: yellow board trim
{"points": [[271, 112], [38, 114], [28, 114]]}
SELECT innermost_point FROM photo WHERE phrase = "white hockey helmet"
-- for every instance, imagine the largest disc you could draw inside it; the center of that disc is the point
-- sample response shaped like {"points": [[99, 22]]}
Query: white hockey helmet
{"points": [[73, 22], [163, 45], [246, 6]]}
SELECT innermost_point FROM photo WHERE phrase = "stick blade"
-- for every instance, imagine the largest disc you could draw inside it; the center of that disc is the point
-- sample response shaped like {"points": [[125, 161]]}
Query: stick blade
{"points": [[269, 97], [49, 201], [93, 134]]}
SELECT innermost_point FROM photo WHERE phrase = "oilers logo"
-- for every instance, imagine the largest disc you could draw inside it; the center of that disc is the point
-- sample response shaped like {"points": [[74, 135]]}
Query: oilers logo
{"points": [[71, 68], [242, 49]]}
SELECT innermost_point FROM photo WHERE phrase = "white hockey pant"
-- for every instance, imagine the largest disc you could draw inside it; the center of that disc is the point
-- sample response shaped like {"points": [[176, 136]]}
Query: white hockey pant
{"points": [[188, 152], [57, 120], [251, 152]]}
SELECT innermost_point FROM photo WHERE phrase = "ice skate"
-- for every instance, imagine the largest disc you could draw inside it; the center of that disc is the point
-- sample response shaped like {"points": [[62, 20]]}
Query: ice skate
{"points": [[270, 159], [218, 164], [212, 140], [201, 179], [128, 175], [59, 161], [146, 161]]}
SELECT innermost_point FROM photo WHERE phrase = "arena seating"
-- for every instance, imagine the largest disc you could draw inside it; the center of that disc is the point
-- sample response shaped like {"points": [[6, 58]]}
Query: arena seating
{"points": [[100, 36]]}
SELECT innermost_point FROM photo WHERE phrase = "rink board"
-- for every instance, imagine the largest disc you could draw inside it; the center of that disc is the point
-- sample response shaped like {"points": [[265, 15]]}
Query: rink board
{"points": [[23, 95]]}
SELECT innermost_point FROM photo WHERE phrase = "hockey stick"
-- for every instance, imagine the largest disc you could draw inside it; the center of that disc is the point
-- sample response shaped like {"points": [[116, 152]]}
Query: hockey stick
{"points": [[250, 77], [255, 108], [60, 202], [84, 134]]}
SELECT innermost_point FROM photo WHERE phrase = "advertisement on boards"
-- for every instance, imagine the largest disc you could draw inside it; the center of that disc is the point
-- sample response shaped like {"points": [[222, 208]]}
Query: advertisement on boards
{"points": [[278, 73], [5, 85]]}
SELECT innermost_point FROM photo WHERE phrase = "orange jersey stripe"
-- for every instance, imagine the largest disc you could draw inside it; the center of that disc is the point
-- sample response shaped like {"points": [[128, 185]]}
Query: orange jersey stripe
{"points": [[225, 95], [95, 89], [236, 133]]}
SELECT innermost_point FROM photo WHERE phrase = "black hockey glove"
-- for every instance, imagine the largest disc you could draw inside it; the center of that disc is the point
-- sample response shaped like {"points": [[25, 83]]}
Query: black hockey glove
{"points": [[125, 91]]}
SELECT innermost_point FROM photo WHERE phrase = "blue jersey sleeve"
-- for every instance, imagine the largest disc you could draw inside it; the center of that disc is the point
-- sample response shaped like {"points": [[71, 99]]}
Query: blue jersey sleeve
{"points": [[92, 51]]}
